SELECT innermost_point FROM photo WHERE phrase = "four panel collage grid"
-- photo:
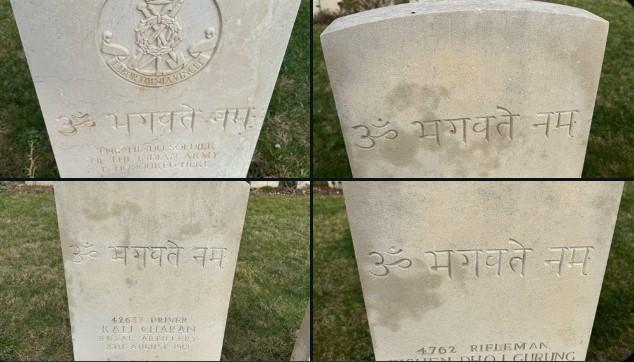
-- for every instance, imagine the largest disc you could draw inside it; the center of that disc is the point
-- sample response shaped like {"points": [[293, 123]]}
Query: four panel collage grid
{"points": [[326, 180]]}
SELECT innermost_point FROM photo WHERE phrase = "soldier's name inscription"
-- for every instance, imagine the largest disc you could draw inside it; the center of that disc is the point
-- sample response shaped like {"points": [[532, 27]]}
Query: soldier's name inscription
{"points": [[148, 333]]}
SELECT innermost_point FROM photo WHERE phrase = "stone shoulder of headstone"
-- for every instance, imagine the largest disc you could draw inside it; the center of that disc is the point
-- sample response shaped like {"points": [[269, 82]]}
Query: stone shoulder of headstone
{"points": [[148, 89], [462, 88]]}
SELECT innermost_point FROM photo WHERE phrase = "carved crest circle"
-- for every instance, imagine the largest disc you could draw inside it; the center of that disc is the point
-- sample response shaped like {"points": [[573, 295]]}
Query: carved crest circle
{"points": [[158, 43]]}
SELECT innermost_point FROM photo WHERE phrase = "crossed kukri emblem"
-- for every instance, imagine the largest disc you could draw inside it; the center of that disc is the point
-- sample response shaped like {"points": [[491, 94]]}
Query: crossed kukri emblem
{"points": [[157, 37]]}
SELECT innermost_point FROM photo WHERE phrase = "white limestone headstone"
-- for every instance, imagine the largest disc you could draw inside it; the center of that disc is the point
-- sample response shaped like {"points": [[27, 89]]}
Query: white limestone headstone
{"points": [[466, 88], [147, 88], [149, 266], [481, 271]]}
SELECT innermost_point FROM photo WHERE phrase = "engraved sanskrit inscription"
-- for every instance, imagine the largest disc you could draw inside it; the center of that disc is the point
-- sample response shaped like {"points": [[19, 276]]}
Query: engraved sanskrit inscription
{"points": [[500, 126], [83, 252], [373, 132], [170, 254], [487, 262], [384, 266], [186, 119], [152, 131], [158, 43]]}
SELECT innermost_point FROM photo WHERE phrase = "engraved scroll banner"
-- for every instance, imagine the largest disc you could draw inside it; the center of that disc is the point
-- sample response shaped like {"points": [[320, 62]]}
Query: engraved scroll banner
{"points": [[481, 271], [149, 268], [460, 88], [154, 88]]}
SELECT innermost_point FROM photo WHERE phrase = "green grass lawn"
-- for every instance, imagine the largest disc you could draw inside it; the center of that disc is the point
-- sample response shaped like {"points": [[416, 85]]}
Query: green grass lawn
{"points": [[341, 326], [282, 151], [611, 146], [268, 301]]}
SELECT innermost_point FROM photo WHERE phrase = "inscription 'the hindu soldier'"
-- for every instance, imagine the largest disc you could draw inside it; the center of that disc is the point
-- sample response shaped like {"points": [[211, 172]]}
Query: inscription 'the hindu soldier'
{"points": [[172, 42]]}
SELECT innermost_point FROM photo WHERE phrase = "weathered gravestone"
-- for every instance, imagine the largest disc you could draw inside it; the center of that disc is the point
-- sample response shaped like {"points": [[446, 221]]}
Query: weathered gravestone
{"points": [[154, 88], [149, 268], [496, 88], [481, 271], [301, 352]]}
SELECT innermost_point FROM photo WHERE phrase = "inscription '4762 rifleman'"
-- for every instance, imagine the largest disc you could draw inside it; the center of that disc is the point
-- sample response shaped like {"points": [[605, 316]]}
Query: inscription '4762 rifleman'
{"points": [[160, 60]]}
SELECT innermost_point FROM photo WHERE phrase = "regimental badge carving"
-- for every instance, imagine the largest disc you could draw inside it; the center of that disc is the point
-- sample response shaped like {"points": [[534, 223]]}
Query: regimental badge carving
{"points": [[158, 43]]}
